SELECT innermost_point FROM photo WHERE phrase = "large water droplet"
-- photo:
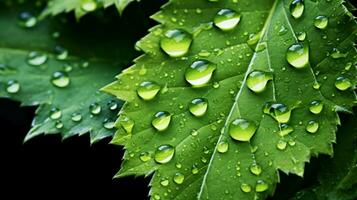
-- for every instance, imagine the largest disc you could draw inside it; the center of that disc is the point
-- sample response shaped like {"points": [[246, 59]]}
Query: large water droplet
{"points": [[198, 107], [95, 108], [176, 42], [279, 111], [179, 178], [145, 156], [13, 87], [161, 120], [343, 83], [255, 169], [60, 79], [27, 20], [227, 19], [164, 153], [316, 107], [242, 129], [200, 73], [261, 186], [298, 55], [55, 113], [222, 147], [245, 187], [257, 80], [321, 22], [89, 5], [76, 117], [126, 123], [148, 90], [297, 8], [312, 126], [36, 58]]}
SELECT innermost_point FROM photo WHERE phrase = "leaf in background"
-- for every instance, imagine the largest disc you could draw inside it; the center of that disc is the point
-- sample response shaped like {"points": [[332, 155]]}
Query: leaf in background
{"points": [[337, 176], [82, 7], [214, 108], [64, 86]]}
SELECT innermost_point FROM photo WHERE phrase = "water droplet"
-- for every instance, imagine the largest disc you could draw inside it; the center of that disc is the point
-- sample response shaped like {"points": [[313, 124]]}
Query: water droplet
{"points": [[316, 85], [108, 123], [179, 178], [76, 117], [336, 54], [67, 67], [245, 188], [161, 120], [279, 111], [164, 182], [60, 79], [301, 36], [36, 58], [126, 123], [200, 73], [13, 87], [321, 22], [164, 153], [257, 80], [316, 107], [61, 53], [27, 20], [297, 8], [261, 186], [242, 129], [285, 129], [112, 105], [95, 108], [148, 90], [227, 19], [312, 126], [59, 124], [343, 83], [298, 55], [145, 156], [55, 113], [89, 5], [194, 169], [281, 145], [198, 107], [222, 147], [255, 169], [176, 42], [216, 85]]}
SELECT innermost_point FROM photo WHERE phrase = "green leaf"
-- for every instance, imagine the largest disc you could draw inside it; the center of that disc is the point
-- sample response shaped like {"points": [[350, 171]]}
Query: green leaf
{"points": [[90, 65], [198, 141], [338, 175], [82, 7]]}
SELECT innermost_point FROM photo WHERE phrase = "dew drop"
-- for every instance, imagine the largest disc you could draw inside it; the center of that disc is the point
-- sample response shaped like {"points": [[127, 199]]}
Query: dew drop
{"points": [[242, 129], [176, 42], [95, 108], [194, 169], [285, 129], [164, 153], [61, 53], [179, 178], [261, 186], [89, 5], [298, 55], [60, 79], [222, 147], [145, 156], [245, 188], [148, 90], [164, 182], [281, 145], [343, 83], [161, 120], [257, 80], [59, 124], [255, 169], [312, 126], [316, 107], [279, 111], [321, 22], [108, 124], [301, 36], [13, 87], [336, 54], [126, 123], [198, 107], [27, 20], [36, 58], [226, 19], [200, 73], [55, 113], [297, 8], [76, 117], [112, 105]]}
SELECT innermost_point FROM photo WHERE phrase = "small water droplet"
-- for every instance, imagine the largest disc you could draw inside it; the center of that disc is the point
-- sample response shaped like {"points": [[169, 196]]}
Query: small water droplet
{"points": [[61, 53], [95, 108], [285, 129], [321, 22], [194, 169], [316, 85], [301, 36], [227, 19], [316, 107], [343, 83], [164, 182], [222, 147], [176, 42], [194, 132], [255, 169], [261, 186], [148, 90], [312, 126], [281, 145], [164, 153], [13, 87], [198, 107], [76, 117], [279, 111], [297, 8], [126, 123], [336, 54], [179, 178], [112, 105], [36, 58], [216, 85], [27, 20], [145, 156], [60, 79], [59, 124], [161, 120], [55, 113], [245, 188], [257, 80], [242, 129], [89, 5], [200, 73], [298, 55], [108, 123]]}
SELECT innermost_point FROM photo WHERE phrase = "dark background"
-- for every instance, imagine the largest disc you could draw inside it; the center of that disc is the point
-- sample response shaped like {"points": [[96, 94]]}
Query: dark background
{"points": [[46, 167]]}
